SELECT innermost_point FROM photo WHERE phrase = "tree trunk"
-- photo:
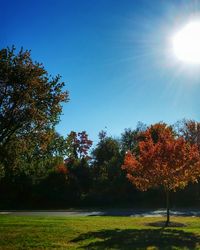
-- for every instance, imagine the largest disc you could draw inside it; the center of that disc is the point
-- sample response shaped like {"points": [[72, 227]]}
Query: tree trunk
{"points": [[167, 205]]}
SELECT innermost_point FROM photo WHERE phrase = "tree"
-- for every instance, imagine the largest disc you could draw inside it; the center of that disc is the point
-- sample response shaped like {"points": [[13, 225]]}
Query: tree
{"points": [[27, 164], [106, 166], [163, 160], [190, 130], [130, 138], [30, 99], [77, 145]]}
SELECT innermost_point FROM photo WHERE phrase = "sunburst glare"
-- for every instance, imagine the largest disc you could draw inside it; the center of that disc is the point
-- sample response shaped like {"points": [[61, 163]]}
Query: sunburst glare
{"points": [[186, 43]]}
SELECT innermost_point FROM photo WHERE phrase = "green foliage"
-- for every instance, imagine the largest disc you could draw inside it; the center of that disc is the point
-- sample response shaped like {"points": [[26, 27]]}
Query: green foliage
{"points": [[30, 105], [131, 137], [30, 100], [109, 182], [106, 156]]}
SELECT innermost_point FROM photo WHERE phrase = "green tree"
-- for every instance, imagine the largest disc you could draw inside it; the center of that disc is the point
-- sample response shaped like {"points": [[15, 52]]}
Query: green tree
{"points": [[130, 137], [30, 104], [106, 167]]}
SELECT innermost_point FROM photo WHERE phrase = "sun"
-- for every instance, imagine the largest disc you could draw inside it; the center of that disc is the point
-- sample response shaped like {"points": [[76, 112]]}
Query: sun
{"points": [[186, 43]]}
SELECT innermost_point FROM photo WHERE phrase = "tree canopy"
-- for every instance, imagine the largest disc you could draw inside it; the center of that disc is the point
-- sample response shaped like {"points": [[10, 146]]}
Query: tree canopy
{"points": [[163, 160], [30, 99], [30, 105]]}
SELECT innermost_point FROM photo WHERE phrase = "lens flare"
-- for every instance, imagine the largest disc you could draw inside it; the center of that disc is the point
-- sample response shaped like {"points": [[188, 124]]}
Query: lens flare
{"points": [[186, 43]]}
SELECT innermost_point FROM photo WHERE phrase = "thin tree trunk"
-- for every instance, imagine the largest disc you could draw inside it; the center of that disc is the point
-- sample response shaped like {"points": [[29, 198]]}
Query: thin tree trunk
{"points": [[167, 205]]}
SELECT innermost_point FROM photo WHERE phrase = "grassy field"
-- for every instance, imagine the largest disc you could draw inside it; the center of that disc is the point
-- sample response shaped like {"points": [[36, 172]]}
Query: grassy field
{"points": [[97, 233]]}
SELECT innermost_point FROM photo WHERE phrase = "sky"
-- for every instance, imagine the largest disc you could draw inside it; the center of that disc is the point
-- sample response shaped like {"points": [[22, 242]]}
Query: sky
{"points": [[115, 57]]}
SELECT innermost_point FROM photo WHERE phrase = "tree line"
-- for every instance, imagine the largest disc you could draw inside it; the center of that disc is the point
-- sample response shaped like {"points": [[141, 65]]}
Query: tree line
{"points": [[40, 168]]}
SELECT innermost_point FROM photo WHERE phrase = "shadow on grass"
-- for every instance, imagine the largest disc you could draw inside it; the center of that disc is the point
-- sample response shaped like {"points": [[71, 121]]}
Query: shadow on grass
{"points": [[163, 224], [138, 239]]}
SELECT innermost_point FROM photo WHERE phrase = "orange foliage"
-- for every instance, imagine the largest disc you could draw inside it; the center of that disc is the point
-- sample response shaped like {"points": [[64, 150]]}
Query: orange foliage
{"points": [[62, 169], [162, 160]]}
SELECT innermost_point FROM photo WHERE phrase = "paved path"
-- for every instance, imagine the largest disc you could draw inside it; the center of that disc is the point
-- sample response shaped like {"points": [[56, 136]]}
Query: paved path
{"points": [[119, 212]]}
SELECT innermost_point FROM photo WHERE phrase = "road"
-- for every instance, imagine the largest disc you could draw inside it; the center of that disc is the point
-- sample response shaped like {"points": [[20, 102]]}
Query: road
{"points": [[109, 212]]}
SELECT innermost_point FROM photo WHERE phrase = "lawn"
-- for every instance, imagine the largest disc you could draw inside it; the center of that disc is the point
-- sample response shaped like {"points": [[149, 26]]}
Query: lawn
{"points": [[97, 233]]}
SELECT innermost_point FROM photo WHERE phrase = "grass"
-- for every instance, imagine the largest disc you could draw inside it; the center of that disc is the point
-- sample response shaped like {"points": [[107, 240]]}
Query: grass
{"points": [[97, 233]]}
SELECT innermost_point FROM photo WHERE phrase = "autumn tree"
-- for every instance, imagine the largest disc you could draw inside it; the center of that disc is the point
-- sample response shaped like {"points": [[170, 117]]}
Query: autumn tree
{"points": [[77, 145], [30, 100], [189, 130], [163, 160]]}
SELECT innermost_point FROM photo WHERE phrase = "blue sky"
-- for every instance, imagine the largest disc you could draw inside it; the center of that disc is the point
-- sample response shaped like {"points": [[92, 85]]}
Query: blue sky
{"points": [[115, 57]]}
